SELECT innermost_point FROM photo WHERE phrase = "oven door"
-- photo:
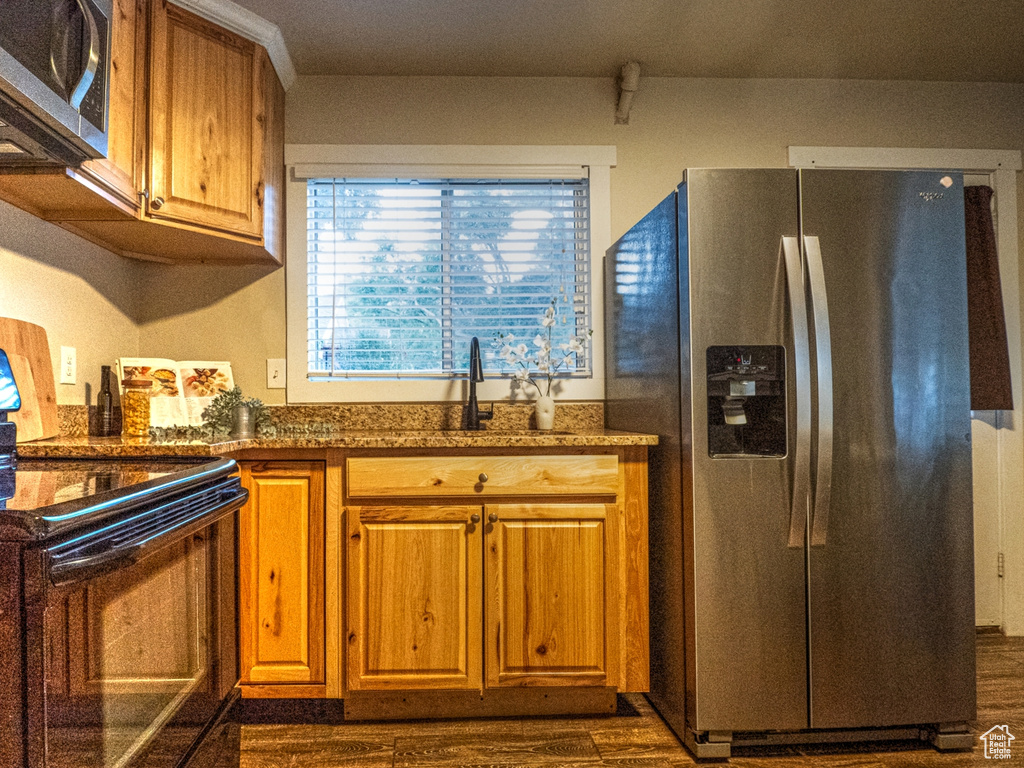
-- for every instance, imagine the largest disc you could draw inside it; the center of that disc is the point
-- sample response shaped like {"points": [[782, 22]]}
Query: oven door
{"points": [[131, 649]]}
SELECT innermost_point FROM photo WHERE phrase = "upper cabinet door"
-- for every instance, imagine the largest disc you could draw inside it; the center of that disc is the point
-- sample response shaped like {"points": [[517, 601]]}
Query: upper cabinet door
{"points": [[120, 169], [206, 125]]}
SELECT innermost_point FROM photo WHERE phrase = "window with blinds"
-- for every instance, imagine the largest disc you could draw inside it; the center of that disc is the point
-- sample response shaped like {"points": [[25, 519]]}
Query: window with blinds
{"points": [[402, 273]]}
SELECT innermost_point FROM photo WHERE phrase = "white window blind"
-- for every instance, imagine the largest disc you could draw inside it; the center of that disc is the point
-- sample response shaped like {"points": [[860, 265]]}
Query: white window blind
{"points": [[402, 273]]}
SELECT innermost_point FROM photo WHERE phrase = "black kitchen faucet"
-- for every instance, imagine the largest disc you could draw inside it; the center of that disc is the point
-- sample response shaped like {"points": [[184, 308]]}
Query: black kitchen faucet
{"points": [[476, 373]]}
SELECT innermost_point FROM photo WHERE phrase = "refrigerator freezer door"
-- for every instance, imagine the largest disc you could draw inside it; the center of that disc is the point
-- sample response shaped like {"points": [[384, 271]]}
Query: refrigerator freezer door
{"points": [[746, 619], [891, 589]]}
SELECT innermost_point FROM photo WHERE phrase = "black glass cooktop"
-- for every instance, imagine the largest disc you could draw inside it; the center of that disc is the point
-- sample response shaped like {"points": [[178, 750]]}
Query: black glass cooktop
{"points": [[40, 498]]}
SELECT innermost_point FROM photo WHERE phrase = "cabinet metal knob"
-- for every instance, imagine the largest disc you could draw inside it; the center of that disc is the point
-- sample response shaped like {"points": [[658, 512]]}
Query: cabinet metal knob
{"points": [[483, 477], [474, 519], [156, 203], [492, 517]]}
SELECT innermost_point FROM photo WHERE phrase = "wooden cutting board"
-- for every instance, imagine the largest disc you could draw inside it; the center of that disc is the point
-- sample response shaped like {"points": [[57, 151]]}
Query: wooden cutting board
{"points": [[29, 353]]}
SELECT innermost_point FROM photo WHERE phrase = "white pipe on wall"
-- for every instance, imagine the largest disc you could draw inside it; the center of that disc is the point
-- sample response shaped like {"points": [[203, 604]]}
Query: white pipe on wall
{"points": [[628, 82]]}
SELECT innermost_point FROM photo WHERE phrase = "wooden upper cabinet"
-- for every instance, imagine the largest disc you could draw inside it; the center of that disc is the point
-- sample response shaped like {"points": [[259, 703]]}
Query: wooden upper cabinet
{"points": [[106, 189], [270, 197], [195, 165], [552, 592], [414, 598], [120, 171], [207, 116], [281, 574]]}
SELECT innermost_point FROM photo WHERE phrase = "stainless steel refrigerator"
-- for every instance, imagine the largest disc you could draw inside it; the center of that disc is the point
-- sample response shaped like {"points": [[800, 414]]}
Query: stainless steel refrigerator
{"points": [[798, 340]]}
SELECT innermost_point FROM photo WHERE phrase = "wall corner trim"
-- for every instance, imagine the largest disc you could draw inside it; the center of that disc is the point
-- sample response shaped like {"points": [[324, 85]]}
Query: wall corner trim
{"points": [[247, 24]]}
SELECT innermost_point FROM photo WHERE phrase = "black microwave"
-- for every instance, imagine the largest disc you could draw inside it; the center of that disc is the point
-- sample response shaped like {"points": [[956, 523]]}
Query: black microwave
{"points": [[54, 77]]}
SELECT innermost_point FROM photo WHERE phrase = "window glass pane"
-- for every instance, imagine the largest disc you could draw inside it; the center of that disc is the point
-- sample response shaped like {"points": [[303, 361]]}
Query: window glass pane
{"points": [[403, 273]]}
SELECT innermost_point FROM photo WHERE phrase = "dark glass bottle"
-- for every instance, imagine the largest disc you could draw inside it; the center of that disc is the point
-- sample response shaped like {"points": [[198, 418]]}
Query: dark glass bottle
{"points": [[105, 405]]}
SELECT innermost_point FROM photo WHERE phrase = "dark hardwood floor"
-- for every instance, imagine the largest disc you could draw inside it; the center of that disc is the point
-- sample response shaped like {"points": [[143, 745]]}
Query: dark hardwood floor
{"points": [[635, 736]]}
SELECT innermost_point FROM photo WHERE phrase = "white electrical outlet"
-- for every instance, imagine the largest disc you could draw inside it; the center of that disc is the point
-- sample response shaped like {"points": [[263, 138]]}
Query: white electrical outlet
{"points": [[68, 365], [275, 374]]}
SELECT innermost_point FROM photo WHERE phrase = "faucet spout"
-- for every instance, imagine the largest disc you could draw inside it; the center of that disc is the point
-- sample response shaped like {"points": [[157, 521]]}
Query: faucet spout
{"points": [[476, 368], [476, 373]]}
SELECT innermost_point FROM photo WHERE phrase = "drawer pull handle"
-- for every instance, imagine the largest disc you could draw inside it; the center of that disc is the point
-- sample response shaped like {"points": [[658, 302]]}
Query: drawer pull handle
{"points": [[492, 517], [156, 203], [474, 519], [483, 477]]}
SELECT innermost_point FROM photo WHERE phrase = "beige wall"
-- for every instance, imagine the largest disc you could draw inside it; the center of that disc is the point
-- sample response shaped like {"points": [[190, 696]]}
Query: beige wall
{"points": [[216, 313], [675, 123], [84, 296], [238, 313]]}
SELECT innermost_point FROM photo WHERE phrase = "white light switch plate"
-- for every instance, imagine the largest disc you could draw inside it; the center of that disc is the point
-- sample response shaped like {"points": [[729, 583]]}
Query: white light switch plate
{"points": [[276, 374], [68, 365]]}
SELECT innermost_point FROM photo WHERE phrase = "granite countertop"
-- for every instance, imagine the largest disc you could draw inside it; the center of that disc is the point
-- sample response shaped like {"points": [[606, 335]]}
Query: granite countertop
{"points": [[104, 447]]}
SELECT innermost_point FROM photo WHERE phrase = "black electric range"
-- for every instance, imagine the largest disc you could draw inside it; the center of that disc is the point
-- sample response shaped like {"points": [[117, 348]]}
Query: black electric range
{"points": [[117, 605]]}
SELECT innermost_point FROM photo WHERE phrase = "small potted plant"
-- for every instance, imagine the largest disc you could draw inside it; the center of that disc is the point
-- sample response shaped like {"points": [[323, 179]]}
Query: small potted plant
{"points": [[542, 361], [239, 416]]}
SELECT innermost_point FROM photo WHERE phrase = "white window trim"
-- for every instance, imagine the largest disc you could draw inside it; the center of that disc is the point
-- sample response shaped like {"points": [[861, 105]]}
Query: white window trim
{"points": [[1006, 452], [380, 161]]}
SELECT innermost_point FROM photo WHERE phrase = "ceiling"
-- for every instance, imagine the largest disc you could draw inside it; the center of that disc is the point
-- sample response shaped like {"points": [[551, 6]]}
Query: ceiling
{"points": [[952, 40]]}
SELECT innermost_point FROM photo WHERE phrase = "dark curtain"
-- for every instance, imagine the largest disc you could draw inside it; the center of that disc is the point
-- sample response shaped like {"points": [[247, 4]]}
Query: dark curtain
{"points": [[990, 359]]}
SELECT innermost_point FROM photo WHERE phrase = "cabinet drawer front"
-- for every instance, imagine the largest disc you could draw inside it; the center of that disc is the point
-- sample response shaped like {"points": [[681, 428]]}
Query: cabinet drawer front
{"points": [[483, 476]]}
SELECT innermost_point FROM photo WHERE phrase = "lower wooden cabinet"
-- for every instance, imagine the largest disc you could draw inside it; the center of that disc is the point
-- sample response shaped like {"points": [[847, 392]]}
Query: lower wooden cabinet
{"points": [[417, 592], [445, 583], [552, 594], [414, 598], [281, 579]]}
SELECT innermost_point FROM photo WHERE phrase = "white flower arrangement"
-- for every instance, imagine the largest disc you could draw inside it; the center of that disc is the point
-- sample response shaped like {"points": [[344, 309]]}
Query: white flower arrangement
{"points": [[543, 359]]}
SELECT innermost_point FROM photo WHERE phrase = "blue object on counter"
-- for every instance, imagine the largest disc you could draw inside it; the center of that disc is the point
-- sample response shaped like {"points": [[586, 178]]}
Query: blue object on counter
{"points": [[10, 398]]}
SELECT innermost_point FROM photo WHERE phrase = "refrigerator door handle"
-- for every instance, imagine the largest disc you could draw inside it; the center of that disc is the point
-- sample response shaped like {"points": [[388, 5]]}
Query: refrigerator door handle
{"points": [[823, 347], [800, 502]]}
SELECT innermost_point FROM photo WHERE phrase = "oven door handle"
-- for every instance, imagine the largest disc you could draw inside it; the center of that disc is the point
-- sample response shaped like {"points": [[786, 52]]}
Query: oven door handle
{"points": [[112, 548]]}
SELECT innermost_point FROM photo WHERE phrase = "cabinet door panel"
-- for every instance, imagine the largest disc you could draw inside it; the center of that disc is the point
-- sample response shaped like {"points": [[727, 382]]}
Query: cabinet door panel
{"points": [[414, 598], [552, 608], [281, 567], [125, 114], [206, 125]]}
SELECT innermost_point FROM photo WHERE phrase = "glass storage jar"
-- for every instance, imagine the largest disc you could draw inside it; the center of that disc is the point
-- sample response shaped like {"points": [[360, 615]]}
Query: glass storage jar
{"points": [[135, 396]]}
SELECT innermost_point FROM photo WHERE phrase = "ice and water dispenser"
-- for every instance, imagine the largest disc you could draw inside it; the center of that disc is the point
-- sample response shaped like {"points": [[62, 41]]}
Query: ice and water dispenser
{"points": [[746, 389]]}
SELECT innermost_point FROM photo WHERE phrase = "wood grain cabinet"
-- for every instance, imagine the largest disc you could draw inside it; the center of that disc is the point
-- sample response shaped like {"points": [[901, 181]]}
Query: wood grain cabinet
{"points": [[551, 594], [415, 605], [281, 579], [118, 175], [482, 573], [108, 188], [195, 165]]}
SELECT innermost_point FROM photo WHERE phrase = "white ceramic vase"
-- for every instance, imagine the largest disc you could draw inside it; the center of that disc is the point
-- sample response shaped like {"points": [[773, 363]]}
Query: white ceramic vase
{"points": [[544, 412]]}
